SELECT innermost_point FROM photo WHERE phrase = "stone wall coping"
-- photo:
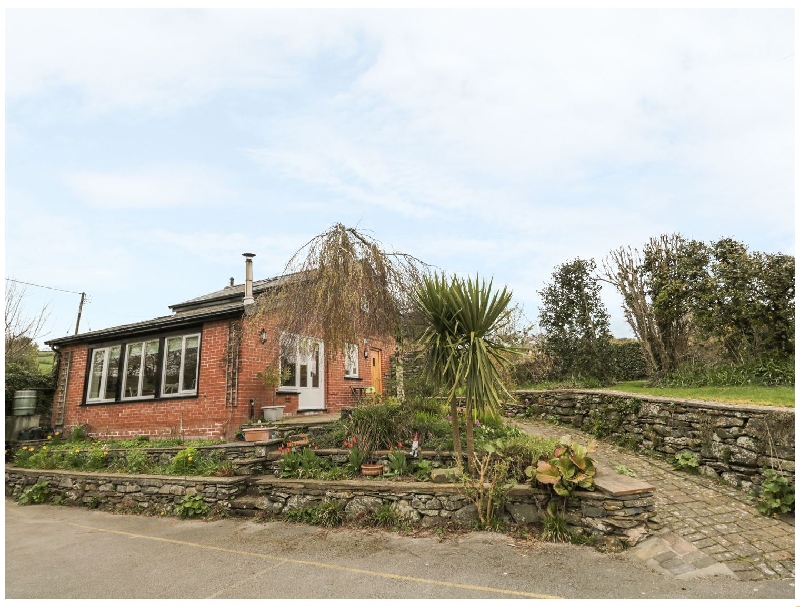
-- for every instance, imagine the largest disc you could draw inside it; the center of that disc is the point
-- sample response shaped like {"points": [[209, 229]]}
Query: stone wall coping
{"points": [[618, 485], [608, 485], [219, 480], [349, 485], [662, 399]]}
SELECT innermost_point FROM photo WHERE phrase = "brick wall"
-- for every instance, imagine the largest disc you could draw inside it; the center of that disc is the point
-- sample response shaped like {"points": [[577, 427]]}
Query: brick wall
{"points": [[207, 415], [202, 416], [340, 389]]}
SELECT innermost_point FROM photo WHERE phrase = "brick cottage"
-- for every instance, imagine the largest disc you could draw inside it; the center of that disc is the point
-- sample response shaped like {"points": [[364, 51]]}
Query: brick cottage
{"points": [[199, 372]]}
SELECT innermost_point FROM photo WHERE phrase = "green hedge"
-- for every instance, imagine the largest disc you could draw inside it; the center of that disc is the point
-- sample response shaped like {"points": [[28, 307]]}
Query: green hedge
{"points": [[628, 362], [18, 379]]}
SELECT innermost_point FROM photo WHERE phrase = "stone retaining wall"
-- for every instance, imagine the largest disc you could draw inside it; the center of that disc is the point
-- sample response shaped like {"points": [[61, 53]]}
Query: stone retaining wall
{"points": [[732, 442], [621, 511], [131, 493]]}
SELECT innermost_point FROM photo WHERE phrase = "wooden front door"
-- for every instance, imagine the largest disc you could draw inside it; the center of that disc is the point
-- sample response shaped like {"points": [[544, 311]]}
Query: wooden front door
{"points": [[375, 370]]}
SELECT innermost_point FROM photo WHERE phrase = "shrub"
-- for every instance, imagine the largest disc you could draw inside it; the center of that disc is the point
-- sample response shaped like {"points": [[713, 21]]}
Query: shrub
{"points": [[686, 461], [627, 360], [74, 459], [42, 459], [329, 513], [570, 468], [555, 527], [300, 515], [191, 506], [430, 426], [354, 460], [489, 488], [96, 458], [377, 425], [523, 450], [777, 495], [764, 372], [185, 462], [136, 461], [35, 494], [22, 457], [302, 464], [423, 469], [398, 464], [386, 516], [78, 433]]}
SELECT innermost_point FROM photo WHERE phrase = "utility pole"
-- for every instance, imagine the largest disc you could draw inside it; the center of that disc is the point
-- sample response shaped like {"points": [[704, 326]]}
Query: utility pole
{"points": [[80, 309]]}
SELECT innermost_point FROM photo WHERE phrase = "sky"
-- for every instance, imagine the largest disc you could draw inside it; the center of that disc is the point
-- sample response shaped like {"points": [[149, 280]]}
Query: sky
{"points": [[146, 150]]}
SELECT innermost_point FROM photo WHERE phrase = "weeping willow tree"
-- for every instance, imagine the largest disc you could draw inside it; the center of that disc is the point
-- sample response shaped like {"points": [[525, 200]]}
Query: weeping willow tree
{"points": [[341, 287], [461, 345]]}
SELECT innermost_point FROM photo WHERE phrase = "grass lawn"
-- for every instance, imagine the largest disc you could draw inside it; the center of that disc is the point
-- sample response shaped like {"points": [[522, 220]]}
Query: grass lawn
{"points": [[781, 396]]}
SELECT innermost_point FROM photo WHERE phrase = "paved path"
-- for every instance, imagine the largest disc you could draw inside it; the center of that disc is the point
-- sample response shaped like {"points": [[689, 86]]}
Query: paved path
{"points": [[709, 528]]}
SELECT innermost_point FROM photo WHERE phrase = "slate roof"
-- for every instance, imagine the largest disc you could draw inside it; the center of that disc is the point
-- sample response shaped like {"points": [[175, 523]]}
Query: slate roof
{"points": [[227, 302]]}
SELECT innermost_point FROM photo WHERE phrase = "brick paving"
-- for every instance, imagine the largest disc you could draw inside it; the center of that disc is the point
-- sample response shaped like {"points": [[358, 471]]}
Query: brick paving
{"points": [[709, 528]]}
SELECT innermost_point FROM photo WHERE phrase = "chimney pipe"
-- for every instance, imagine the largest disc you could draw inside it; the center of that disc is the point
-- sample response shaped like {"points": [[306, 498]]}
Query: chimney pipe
{"points": [[248, 279]]}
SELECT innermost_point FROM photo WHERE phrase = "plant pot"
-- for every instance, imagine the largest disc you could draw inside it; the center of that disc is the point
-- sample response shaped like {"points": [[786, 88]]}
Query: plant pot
{"points": [[257, 434], [371, 469], [272, 413]]}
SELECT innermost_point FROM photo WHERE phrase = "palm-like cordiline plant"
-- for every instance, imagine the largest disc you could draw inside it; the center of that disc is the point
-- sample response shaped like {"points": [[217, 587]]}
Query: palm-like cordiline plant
{"points": [[459, 347]]}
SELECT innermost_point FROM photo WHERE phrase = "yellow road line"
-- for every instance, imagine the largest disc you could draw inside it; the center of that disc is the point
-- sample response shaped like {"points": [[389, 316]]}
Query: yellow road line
{"points": [[391, 576]]}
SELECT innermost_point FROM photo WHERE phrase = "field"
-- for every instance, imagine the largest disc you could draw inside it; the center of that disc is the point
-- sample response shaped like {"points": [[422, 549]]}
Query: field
{"points": [[780, 396], [45, 360]]}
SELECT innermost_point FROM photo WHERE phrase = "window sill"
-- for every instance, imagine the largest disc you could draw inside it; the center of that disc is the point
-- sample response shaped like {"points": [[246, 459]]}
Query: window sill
{"points": [[353, 378], [132, 401]]}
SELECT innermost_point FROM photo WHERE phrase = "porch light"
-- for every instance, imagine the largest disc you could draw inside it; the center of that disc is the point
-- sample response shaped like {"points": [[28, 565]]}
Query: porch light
{"points": [[263, 336]]}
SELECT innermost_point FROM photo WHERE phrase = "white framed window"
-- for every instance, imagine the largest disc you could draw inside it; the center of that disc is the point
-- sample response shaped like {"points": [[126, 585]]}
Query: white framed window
{"points": [[104, 374], [351, 360], [181, 359], [141, 370]]}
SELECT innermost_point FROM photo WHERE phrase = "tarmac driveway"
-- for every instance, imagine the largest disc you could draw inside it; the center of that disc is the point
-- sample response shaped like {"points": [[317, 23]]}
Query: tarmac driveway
{"points": [[60, 552]]}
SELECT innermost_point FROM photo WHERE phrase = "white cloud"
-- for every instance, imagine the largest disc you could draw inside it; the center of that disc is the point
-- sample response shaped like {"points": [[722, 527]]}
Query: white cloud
{"points": [[156, 187], [158, 59]]}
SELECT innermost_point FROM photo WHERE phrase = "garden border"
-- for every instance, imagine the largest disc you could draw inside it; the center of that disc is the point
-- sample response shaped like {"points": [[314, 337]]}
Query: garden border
{"points": [[621, 511]]}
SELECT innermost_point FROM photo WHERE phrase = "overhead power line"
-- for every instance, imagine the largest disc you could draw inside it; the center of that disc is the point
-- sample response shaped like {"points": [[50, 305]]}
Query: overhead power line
{"points": [[22, 282]]}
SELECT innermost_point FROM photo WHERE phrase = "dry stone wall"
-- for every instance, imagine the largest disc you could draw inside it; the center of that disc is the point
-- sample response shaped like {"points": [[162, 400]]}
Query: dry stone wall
{"points": [[126, 492], [733, 442], [619, 516]]}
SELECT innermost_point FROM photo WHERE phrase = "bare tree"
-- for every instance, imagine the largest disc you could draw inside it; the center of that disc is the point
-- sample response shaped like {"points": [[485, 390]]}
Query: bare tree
{"points": [[342, 286], [621, 269], [660, 289], [21, 330]]}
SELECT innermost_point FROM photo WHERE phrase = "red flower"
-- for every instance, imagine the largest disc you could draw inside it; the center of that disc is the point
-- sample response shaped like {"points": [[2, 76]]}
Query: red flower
{"points": [[354, 440], [399, 443]]}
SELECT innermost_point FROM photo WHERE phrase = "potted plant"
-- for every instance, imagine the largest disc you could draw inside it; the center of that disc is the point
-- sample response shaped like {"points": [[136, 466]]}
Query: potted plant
{"points": [[258, 432], [271, 378], [366, 447]]}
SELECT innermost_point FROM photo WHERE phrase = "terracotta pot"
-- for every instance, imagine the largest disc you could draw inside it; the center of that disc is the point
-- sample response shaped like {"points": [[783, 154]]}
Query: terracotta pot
{"points": [[257, 434], [371, 469]]}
